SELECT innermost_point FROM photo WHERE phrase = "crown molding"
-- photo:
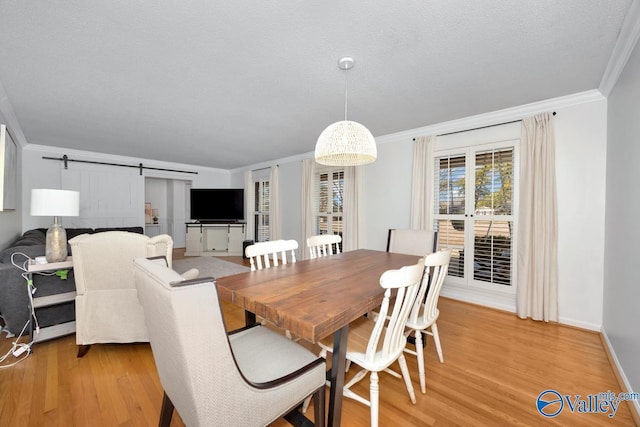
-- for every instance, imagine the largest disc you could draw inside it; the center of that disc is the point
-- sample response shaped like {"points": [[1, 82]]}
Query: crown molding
{"points": [[495, 117], [467, 123], [626, 42]]}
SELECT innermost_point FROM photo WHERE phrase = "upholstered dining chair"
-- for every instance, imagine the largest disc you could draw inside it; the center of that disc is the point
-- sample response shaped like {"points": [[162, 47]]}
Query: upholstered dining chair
{"points": [[424, 312], [107, 307], [263, 254], [375, 344], [412, 242], [323, 245], [213, 378]]}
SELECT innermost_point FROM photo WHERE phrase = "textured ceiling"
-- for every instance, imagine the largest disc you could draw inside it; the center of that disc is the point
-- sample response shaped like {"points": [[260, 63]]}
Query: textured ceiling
{"points": [[228, 84]]}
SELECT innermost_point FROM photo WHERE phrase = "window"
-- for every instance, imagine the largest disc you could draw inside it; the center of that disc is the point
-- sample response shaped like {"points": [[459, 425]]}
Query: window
{"points": [[329, 201], [261, 209], [474, 213]]}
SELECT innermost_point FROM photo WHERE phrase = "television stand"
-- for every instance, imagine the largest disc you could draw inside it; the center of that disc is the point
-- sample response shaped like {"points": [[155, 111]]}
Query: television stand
{"points": [[214, 238]]}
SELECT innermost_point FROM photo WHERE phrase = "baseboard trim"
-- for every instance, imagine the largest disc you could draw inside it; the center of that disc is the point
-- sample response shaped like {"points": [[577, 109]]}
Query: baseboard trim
{"points": [[503, 302], [580, 324], [623, 382]]}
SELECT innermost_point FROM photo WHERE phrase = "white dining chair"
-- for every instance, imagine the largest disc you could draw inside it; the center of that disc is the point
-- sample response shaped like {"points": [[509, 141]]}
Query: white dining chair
{"points": [[375, 344], [264, 254], [424, 312], [323, 245]]}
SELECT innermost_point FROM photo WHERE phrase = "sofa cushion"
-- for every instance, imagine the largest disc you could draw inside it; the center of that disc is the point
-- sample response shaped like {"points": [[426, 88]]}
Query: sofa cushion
{"points": [[31, 237]]}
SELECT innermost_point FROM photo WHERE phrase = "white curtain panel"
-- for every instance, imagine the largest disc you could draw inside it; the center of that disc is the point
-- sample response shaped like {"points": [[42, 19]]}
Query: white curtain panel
{"points": [[308, 212], [537, 262], [352, 228], [250, 203], [274, 204], [422, 183]]}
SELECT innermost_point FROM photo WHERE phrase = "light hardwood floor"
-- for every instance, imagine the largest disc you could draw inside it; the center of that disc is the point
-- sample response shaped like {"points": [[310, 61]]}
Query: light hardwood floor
{"points": [[495, 367]]}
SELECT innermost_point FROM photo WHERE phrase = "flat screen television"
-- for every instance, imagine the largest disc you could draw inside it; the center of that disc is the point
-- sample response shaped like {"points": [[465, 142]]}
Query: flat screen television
{"points": [[217, 204]]}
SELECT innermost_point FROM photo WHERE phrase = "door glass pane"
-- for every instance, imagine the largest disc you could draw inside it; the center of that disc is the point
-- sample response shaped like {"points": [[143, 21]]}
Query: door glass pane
{"points": [[451, 236], [492, 251], [323, 193], [494, 182], [322, 225], [261, 214], [451, 185], [338, 186], [336, 225]]}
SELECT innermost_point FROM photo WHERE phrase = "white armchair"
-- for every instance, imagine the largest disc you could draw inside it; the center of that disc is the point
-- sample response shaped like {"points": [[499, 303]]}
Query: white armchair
{"points": [[107, 306]]}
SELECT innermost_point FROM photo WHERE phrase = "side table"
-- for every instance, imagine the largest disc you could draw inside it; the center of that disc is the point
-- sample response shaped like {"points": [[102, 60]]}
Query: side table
{"points": [[54, 331]]}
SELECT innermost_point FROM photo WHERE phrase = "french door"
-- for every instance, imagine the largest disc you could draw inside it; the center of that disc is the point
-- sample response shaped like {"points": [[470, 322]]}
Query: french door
{"points": [[474, 213], [261, 193], [329, 202]]}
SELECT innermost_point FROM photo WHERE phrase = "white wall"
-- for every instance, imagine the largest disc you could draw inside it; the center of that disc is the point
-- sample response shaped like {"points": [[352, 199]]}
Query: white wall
{"points": [[387, 192], [581, 143], [622, 289]]}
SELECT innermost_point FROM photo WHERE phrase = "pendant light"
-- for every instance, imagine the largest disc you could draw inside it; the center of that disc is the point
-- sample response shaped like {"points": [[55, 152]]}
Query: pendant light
{"points": [[346, 143]]}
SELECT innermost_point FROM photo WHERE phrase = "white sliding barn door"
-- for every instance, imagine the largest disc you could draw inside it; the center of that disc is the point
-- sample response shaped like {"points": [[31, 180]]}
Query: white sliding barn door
{"points": [[110, 196]]}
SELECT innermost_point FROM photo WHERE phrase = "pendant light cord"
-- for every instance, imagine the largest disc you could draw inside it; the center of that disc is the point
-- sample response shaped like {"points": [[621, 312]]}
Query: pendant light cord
{"points": [[345, 94]]}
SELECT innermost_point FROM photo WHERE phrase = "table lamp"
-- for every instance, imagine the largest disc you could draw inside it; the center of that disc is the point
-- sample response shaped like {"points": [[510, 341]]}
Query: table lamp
{"points": [[55, 203]]}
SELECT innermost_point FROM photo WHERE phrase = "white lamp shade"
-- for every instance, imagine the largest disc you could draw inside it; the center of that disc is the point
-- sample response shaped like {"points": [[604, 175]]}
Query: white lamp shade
{"points": [[46, 202], [346, 143]]}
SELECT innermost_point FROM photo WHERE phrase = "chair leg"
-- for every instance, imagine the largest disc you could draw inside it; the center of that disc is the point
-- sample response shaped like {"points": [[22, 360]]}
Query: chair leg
{"points": [[436, 339], [420, 357], [166, 413], [83, 349], [374, 398], [407, 378], [318, 407]]}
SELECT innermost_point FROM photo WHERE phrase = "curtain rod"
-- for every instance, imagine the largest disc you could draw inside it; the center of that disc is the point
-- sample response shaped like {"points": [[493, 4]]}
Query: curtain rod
{"points": [[481, 127], [140, 166]]}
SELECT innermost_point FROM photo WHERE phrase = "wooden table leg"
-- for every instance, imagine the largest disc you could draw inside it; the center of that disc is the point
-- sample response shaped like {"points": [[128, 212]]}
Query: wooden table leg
{"points": [[338, 364], [249, 318]]}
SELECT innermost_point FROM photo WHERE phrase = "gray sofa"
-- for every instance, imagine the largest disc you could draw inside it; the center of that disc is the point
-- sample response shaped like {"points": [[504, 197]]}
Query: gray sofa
{"points": [[14, 300]]}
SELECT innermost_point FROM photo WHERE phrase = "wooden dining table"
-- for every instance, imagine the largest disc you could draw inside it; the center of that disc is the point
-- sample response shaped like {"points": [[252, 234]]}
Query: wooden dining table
{"points": [[314, 299]]}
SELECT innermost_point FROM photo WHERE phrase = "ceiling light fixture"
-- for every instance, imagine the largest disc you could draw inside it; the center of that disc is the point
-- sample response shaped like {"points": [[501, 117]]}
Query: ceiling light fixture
{"points": [[346, 143]]}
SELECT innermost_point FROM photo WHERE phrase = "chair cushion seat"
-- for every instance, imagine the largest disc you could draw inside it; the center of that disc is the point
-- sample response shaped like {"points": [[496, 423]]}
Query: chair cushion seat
{"points": [[263, 355]]}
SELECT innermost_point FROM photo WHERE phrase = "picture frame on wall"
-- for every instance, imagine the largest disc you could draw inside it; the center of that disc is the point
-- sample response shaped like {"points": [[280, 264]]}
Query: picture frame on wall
{"points": [[8, 170], [148, 217]]}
